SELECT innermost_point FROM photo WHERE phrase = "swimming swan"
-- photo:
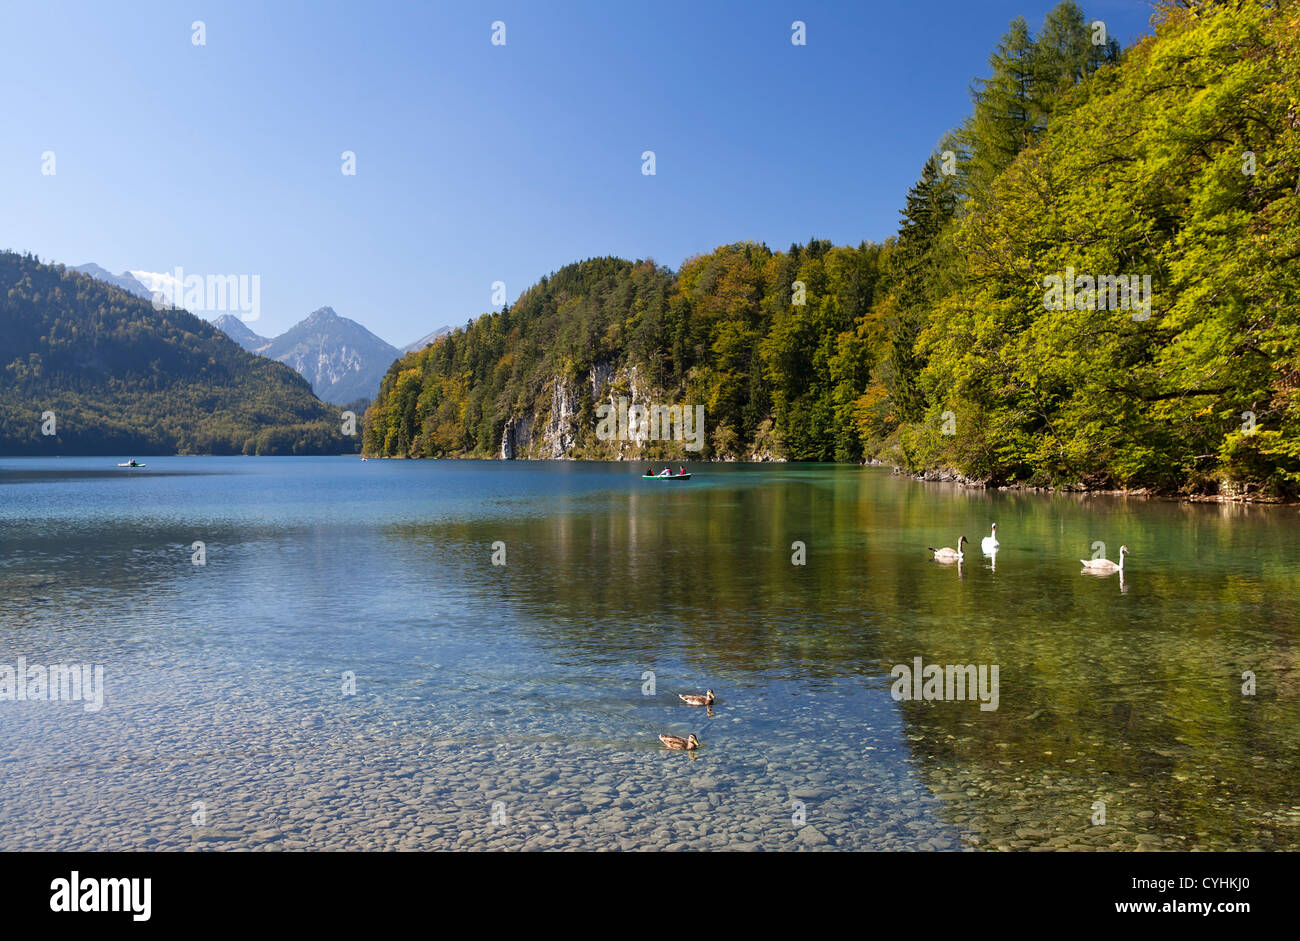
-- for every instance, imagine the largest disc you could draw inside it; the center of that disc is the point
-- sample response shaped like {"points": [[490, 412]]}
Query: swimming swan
{"points": [[990, 543], [947, 554], [1106, 565]]}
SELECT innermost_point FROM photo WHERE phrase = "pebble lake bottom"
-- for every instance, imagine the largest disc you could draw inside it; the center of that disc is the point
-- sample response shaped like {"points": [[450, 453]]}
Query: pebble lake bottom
{"points": [[350, 670]]}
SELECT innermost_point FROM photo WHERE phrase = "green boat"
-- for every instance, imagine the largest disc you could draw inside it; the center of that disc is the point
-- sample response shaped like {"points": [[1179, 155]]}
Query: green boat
{"points": [[665, 476]]}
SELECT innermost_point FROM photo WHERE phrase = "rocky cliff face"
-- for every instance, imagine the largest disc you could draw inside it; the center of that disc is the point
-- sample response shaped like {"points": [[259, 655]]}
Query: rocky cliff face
{"points": [[517, 438], [607, 389], [323, 363], [557, 421], [559, 433], [553, 430]]}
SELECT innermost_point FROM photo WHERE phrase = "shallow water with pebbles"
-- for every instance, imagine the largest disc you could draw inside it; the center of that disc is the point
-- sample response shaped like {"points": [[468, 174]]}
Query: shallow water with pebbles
{"points": [[508, 707]]}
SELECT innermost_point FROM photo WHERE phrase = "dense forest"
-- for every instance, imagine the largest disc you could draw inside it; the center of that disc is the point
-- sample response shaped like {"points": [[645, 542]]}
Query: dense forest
{"points": [[120, 377], [1163, 184]]}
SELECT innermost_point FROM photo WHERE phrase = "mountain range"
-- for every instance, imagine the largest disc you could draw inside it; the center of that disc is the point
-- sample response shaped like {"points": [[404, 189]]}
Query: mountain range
{"points": [[126, 281], [342, 360], [89, 367]]}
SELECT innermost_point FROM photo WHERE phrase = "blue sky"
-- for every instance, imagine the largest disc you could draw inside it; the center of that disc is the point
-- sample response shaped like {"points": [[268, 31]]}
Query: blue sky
{"points": [[475, 163]]}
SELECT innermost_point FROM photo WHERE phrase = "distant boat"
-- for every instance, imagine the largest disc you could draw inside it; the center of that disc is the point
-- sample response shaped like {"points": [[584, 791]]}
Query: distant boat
{"points": [[132, 463], [665, 476]]}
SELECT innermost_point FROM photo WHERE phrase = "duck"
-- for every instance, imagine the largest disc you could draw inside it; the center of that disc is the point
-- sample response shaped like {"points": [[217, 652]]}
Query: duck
{"points": [[1106, 565], [682, 744], [990, 543], [947, 554], [694, 699]]}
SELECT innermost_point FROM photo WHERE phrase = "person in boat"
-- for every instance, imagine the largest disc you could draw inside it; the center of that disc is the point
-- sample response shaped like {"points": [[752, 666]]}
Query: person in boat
{"points": [[681, 471], [666, 472], [650, 472]]}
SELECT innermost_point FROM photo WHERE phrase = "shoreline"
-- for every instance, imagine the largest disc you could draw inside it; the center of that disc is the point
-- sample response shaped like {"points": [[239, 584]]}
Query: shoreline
{"points": [[936, 476], [948, 476], [940, 475]]}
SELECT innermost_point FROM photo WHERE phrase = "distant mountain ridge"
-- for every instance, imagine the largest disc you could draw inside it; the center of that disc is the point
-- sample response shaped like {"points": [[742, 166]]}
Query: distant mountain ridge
{"points": [[239, 331], [126, 281], [343, 361], [85, 370], [427, 339]]}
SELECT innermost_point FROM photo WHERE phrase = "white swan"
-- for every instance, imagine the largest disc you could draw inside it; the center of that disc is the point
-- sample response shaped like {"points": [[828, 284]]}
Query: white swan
{"points": [[1106, 566], [947, 554], [990, 543]]}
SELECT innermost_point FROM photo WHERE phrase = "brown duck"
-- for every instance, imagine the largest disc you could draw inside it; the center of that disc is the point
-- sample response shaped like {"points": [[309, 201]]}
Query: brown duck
{"points": [[684, 744], [694, 699]]}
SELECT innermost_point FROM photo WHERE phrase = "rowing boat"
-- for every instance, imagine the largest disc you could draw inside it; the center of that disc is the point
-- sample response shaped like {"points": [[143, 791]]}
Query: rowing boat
{"points": [[666, 477]]}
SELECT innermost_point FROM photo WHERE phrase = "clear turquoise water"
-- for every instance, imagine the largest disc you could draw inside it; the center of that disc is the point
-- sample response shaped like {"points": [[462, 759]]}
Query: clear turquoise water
{"points": [[517, 690]]}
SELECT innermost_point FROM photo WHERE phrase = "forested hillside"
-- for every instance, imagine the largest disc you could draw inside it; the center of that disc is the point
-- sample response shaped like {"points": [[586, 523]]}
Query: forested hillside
{"points": [[1174, 166], [123, 378], [720, 332]]}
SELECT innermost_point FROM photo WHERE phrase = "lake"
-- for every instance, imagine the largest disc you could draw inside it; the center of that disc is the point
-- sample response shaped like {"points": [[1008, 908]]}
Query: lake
{"points": [[349, 669]]}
